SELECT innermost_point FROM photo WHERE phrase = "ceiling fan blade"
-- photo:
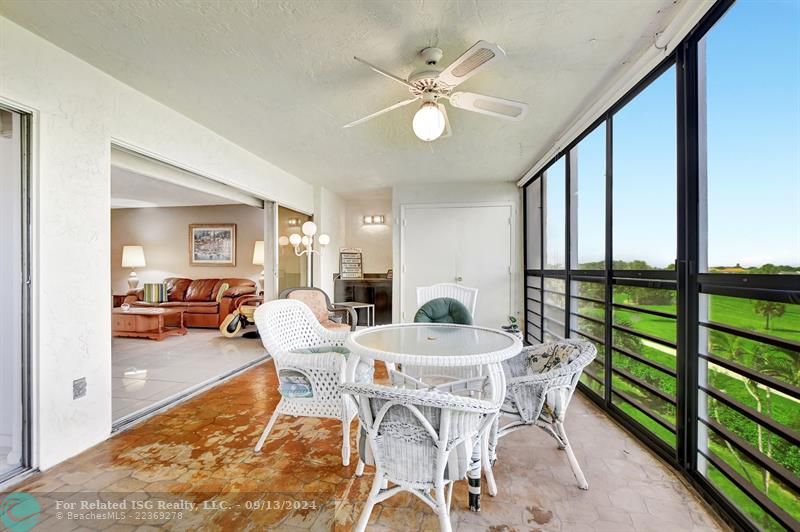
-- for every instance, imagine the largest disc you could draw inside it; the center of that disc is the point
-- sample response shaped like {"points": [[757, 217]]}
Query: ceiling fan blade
{"points": [[382, 72], [489, 105], [471, 62], [382, 111], [447, 131]]}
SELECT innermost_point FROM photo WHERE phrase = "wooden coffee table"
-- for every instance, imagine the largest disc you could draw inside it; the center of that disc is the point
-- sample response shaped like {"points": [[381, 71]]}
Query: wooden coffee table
{"points": [[147, 322]]}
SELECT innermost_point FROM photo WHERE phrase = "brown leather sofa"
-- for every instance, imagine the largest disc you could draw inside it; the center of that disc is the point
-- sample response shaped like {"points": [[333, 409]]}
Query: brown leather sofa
{"points": [[200, 299]]}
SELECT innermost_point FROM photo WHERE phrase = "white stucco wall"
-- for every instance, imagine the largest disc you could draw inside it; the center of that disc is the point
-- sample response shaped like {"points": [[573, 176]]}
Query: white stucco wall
{"points": [[375, 241], [460, 193], [164, 234], [77, 112], [330, 213]]}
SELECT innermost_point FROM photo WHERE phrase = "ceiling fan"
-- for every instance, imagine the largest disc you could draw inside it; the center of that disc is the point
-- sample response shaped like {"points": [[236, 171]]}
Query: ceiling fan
{"points": [[431, 85]]}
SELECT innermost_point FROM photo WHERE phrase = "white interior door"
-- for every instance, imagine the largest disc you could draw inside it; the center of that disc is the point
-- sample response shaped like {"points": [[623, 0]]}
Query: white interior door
{"points": [[428, 254], [465, 244], [484, 260]]}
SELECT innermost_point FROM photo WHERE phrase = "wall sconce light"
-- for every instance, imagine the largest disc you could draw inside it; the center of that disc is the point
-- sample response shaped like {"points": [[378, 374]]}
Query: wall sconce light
{"points": [[374, 219], [293, 222]]}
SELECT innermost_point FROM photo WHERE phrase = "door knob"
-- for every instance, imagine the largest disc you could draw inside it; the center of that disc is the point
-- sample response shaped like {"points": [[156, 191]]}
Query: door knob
{"points": [[459, 279]]}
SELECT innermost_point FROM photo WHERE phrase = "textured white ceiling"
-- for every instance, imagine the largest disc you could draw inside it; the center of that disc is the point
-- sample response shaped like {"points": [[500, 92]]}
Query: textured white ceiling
{"points": [[132, 190], [278, 78]]}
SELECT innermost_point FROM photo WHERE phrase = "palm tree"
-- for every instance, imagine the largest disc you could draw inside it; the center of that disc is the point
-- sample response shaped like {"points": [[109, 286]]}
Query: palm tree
{"points": [[769, 309], [732, 346], [764, 360]]}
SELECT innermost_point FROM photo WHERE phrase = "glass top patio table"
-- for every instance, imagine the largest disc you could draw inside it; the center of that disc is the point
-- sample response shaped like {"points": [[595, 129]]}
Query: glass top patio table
{"points": [[428, 344]]}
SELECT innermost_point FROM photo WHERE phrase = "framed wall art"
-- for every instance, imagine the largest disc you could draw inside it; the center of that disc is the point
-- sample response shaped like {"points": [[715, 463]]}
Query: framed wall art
{"points": [[212, 244]]}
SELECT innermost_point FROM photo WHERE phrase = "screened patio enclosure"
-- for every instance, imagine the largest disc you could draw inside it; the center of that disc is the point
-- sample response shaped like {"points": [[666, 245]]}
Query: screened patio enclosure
{"points": [[668, 234]]}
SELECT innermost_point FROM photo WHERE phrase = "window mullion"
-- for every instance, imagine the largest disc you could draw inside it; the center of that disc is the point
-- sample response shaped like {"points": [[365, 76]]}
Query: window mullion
{"points": [[609, 265]]}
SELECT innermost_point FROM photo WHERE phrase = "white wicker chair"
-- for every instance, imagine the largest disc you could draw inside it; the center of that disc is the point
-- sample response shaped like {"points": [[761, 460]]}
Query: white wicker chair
{"points": [[464, 294], [419, 439], [540, 383], [311, 363]]}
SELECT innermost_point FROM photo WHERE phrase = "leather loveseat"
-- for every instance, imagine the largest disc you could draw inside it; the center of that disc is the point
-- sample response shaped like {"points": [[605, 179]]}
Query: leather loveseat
{"points": [[200, 299]]}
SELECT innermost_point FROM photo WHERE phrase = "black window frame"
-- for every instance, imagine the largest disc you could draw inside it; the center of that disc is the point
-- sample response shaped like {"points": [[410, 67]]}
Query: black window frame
{"points": [[689, 284]]}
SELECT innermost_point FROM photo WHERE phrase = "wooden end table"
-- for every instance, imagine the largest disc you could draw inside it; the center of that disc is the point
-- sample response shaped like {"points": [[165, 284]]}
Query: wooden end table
{"points": [[147, 323]]}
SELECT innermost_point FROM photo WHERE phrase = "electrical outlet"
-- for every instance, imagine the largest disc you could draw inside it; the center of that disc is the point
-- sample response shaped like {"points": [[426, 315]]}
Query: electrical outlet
{"points": [[79, 388]]}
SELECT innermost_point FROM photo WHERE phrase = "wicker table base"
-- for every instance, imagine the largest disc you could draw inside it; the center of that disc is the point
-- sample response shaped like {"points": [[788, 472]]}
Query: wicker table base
{"points": [[459, 351]]}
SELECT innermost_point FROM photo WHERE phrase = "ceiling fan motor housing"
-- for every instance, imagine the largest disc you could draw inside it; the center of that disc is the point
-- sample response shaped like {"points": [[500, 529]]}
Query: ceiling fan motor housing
{"points": [[431, 56]]}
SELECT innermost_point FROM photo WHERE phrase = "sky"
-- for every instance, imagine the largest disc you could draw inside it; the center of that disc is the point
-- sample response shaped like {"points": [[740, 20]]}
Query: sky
{"points": [[753, 117]]}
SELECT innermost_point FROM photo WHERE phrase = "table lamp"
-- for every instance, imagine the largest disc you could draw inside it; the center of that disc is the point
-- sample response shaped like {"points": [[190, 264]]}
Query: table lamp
{"points": [[133, 257], [258, 260]]}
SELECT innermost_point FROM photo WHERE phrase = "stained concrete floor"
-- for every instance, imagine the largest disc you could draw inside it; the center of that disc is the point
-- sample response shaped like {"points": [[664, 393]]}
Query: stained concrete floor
{"points": [[198, 458]]}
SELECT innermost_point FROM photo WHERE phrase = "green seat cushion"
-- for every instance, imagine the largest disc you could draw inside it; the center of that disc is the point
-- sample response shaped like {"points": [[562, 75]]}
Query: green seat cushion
{"points": [[443, 310], [297, 385]]}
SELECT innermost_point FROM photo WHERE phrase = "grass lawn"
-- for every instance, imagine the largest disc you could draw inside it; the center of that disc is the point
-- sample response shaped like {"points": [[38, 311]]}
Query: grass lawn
{"points": [[742, 500], [738, 312], [735, 312]]}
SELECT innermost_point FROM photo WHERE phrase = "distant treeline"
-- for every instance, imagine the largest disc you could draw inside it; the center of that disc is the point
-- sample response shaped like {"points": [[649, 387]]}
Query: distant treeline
{"points": [[643, 265]]}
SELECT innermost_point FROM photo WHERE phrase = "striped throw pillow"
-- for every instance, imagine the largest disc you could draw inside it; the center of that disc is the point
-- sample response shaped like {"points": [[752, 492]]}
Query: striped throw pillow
{"points": [[155, 292]]}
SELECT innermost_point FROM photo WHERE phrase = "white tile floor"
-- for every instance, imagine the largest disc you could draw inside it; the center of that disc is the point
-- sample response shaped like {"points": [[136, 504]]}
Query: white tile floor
{"points": [[146, 372]]}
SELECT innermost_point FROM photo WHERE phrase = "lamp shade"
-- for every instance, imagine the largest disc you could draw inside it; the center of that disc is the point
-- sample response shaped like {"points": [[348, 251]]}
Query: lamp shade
{"points": [[133, 257], [258, 253], [295, 239]]}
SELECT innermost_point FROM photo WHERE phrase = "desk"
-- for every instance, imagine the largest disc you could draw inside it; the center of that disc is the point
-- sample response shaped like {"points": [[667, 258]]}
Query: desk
{"points": [[357, 305]]}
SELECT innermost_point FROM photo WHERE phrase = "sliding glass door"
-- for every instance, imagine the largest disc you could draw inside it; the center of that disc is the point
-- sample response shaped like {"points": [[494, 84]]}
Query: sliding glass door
{"points": [[668, 235], [14, 287], [292, 270]]}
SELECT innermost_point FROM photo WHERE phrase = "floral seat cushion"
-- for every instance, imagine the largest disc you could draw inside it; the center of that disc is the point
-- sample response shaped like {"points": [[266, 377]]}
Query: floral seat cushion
{"points": [[534, 401], [334, 325], [555, 356]]}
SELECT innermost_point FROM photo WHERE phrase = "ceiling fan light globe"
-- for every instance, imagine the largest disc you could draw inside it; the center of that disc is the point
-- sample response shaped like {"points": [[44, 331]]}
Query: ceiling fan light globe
{"points": [[428, 123]]}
